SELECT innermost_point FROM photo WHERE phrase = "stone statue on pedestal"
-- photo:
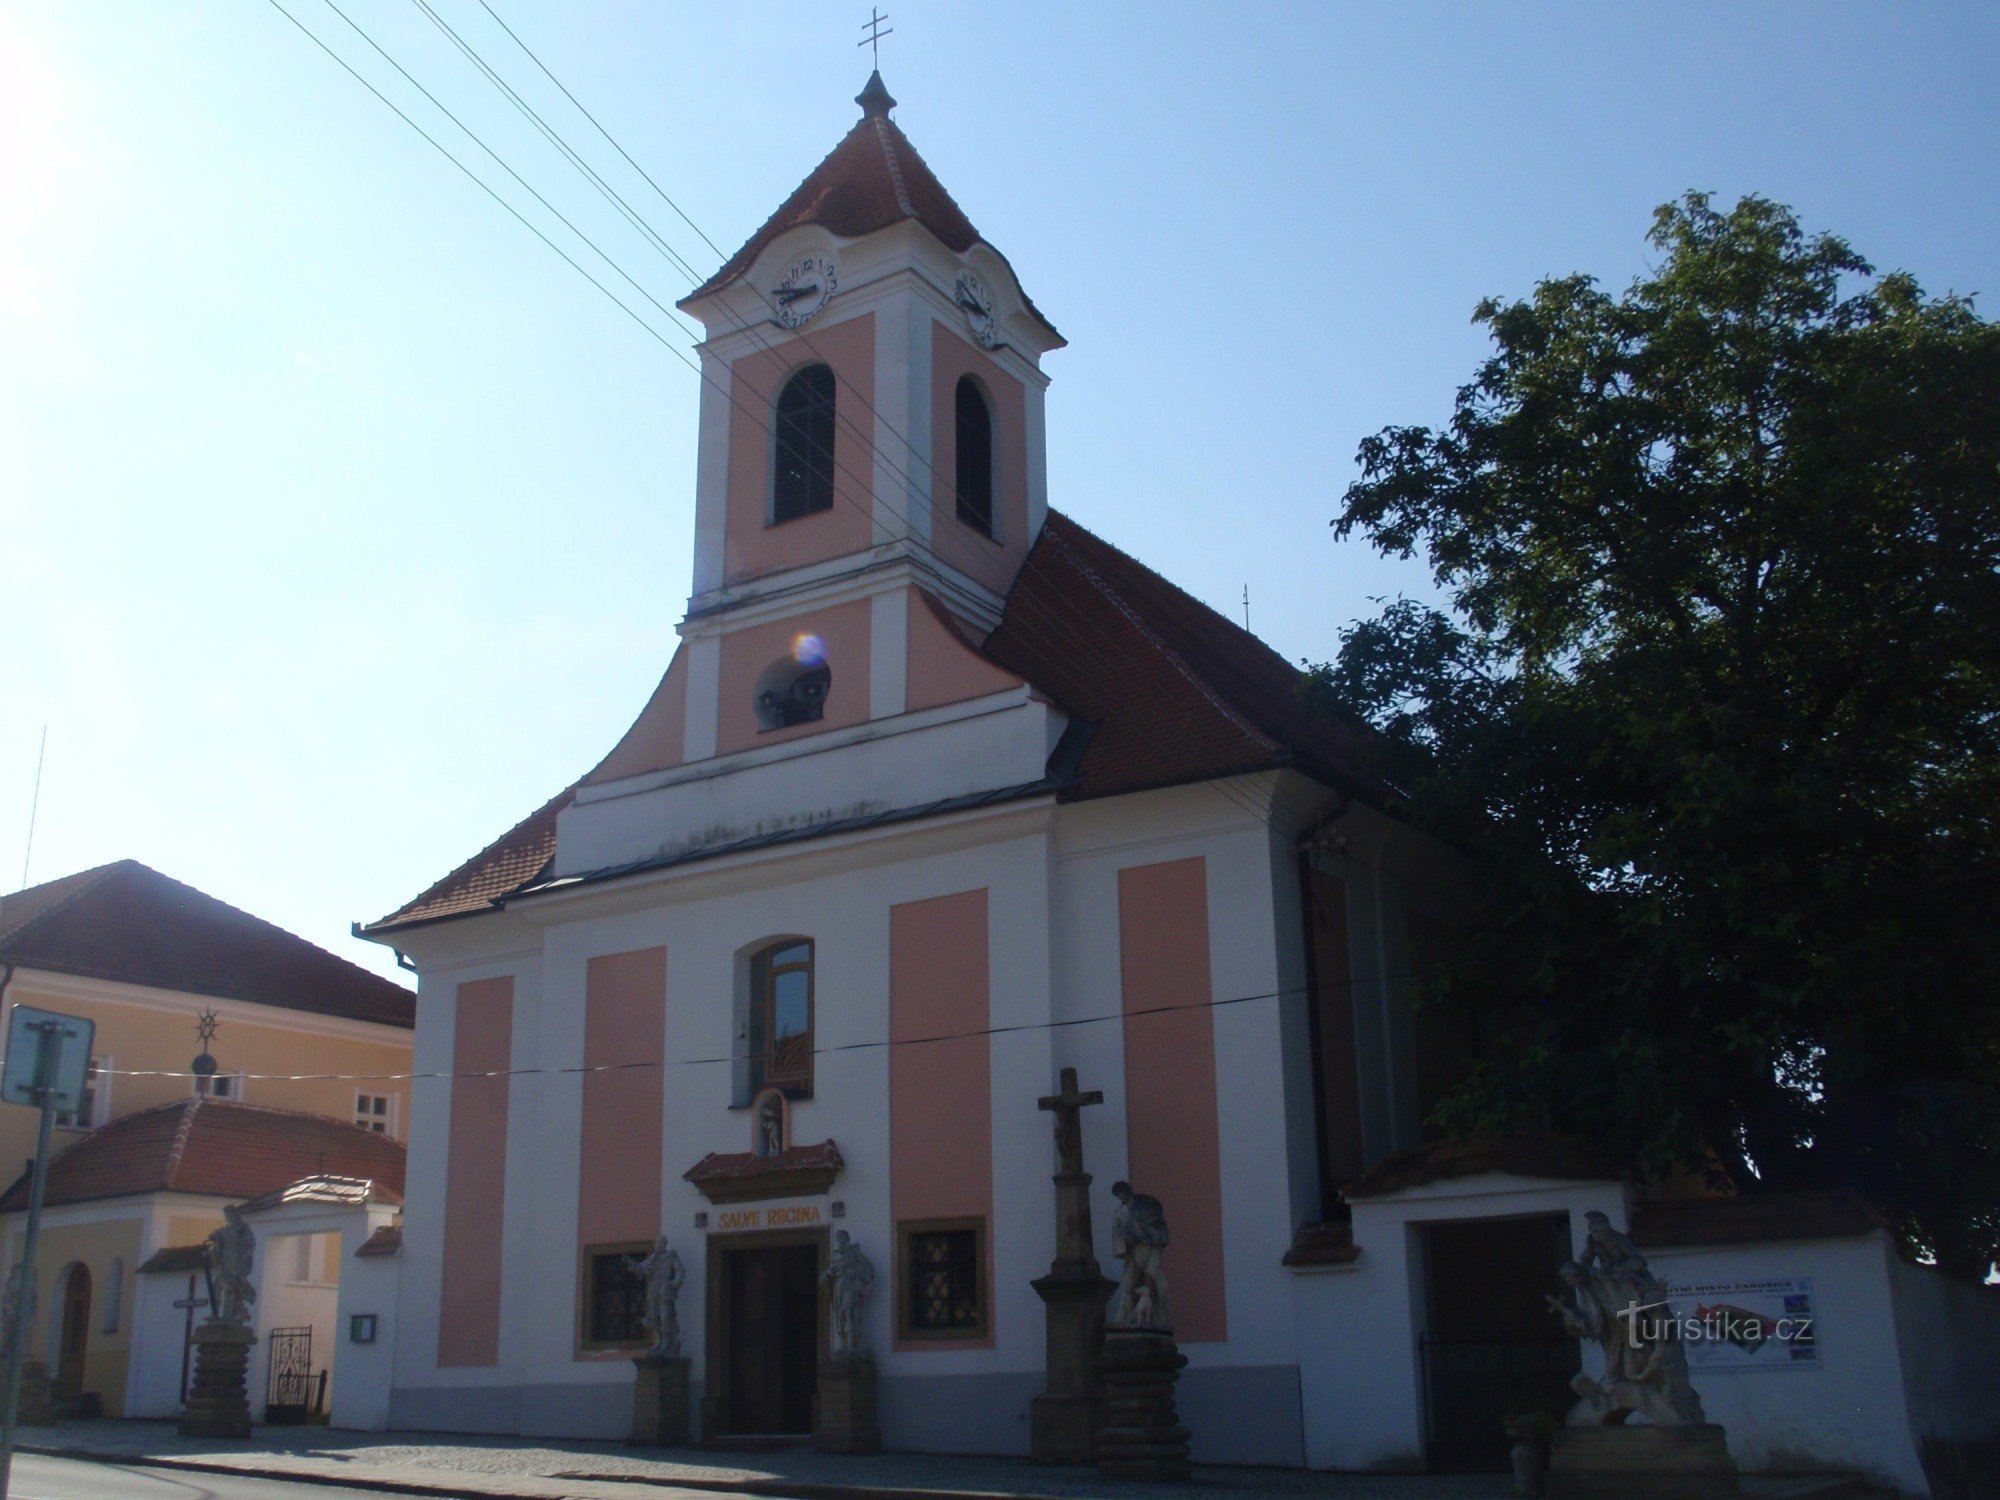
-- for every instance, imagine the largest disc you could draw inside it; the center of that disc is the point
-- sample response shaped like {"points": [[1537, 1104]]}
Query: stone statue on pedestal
{"points": [[1616, 1302], [664, 1274], [1142, 1436], [846, 1421], [850, 1278], [232, 1250], [1138, 1235], [218, 1404]]}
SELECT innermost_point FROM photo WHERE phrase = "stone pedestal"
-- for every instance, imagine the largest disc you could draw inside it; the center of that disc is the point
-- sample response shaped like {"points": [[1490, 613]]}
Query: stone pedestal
{"points": [[38, 1408], [1640, 1462], [846, 1418], [218, 1403], [660, 1400], [1063, 1420], [1142, 1438]]}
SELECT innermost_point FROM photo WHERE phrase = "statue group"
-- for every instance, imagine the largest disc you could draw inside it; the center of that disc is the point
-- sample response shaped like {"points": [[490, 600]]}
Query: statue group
{"points": [[1617, 1303], [1138, 1238]]}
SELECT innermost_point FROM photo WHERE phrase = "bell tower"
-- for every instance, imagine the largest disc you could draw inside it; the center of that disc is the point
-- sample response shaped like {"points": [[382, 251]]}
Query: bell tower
{"points": [[871, 469], [871, 423], [870, 274]]}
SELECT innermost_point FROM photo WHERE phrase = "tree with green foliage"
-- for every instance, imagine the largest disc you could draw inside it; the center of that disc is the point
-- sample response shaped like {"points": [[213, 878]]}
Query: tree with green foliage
{"points": [[1716, 709]]}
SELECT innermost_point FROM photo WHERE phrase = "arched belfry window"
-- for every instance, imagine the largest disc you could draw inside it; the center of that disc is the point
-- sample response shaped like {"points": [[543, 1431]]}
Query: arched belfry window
{"points": [[803, 482], [975, 456], [781, 1017]]}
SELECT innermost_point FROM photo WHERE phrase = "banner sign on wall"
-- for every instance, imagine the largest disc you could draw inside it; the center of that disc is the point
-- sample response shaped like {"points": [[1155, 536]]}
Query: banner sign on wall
{"points": [[1766, 1324]]}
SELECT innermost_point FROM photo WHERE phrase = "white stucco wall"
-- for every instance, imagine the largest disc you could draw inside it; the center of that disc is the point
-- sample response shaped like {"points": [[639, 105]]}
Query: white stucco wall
{"points": [[1847, 1409], [367, 1371], [1358, 1325]]}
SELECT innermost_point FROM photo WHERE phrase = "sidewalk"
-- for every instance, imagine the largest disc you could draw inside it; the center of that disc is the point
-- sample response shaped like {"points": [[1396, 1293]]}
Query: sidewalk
{"points": [[529, 1469]]}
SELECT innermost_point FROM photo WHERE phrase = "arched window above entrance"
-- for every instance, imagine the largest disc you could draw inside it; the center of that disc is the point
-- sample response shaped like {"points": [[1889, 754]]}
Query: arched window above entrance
{"points": [[780, 1039]]}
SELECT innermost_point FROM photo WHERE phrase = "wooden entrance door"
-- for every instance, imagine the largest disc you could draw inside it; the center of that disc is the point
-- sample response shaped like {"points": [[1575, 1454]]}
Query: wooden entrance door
{"points": [[771, 1327], [75, 1327]]}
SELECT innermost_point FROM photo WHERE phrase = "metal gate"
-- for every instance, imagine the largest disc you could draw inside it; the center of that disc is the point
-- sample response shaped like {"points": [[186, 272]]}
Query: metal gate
{"points": [[291, 1376], [1471, 1387]]}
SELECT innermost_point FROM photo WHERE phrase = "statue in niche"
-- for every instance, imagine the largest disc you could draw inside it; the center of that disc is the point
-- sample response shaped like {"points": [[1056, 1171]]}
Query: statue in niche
{"points": [[850, 1278], [1617, 1303], [1138, 1236], [664, 1274], [232, 1250], [770, 1126]]}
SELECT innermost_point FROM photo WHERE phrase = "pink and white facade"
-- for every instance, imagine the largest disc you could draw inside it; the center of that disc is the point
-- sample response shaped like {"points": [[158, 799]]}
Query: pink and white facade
{"points": [[939, 795]]}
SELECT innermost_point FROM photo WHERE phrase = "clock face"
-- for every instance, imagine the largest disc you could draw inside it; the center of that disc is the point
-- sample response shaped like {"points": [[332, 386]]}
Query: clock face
{"points": [[977, 303], [804, 289]]}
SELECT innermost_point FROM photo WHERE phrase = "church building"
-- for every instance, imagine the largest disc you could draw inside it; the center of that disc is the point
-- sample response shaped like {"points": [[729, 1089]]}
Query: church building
{"points": [[942, 795]]}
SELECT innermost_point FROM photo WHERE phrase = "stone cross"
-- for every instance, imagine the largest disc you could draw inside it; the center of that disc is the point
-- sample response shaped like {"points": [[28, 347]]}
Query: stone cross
{"points": [[1068, 1108], [190, 1302]]}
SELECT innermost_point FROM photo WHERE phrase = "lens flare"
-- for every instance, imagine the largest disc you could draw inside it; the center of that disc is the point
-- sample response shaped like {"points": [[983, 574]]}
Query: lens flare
{"points": [[808, 650]]}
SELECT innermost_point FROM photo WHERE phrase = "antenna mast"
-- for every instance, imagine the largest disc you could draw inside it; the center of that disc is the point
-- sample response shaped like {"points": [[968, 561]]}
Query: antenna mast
{"points": [[34, 807]]}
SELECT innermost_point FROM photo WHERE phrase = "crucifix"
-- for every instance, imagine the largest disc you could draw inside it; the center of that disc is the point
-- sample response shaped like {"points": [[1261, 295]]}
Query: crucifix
{"points": [[1064, 1419], [190, 1302], [1067, 1107], [873, 41]]}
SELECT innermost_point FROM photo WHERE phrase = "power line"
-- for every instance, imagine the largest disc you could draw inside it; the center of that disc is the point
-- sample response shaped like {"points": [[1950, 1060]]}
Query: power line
{"points": [[697, 1062], [680, 263], [658, 337], [756, 334]]}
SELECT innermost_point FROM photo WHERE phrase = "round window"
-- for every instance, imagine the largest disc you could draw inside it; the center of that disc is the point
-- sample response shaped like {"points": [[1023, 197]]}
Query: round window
{"points": [[793, 689]]}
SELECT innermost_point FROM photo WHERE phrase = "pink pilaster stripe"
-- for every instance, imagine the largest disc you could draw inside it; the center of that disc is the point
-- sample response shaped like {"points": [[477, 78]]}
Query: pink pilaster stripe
{"points": [[475, 1188], [1172, 1131], [940, 1092], [618, 1163]]}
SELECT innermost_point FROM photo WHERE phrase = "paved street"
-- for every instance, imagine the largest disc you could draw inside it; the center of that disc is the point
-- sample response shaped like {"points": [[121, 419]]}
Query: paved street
{"points": [[39, 1478]]}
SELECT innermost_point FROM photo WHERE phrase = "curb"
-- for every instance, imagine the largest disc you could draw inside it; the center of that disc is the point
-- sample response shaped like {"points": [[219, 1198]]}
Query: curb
{"points": [[778, 1489], [807, 1489]]}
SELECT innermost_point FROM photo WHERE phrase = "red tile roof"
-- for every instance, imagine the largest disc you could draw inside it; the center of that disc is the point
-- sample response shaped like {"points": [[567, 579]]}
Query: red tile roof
{"points": [[498, 870], [872, 179], [1177, 693], [1519, 1156], [215, 1149], [385, 1241], [129, 923]]}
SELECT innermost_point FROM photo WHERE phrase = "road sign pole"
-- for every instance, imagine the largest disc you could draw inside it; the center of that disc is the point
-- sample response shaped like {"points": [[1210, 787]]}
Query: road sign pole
{"points": [[49, 1043]]}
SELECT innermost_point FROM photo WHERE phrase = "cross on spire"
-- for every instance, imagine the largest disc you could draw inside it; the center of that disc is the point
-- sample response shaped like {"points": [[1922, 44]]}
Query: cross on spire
{"points": [[873, 41]]}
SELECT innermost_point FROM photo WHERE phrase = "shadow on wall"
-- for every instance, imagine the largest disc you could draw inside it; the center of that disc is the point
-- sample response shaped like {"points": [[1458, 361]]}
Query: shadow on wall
{"points": [[1962, 1468]]}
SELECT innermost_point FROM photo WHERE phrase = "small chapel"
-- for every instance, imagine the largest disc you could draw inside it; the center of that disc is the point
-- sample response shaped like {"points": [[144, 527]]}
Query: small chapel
{"points": [[959, 868]]}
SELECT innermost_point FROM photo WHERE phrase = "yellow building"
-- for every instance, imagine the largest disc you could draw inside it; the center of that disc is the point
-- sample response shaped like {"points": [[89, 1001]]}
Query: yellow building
{"points": [[143, 957]]}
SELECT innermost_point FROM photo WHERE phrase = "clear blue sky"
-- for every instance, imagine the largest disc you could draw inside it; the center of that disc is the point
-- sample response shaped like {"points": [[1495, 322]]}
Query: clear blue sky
{"points": [[341, 523]]}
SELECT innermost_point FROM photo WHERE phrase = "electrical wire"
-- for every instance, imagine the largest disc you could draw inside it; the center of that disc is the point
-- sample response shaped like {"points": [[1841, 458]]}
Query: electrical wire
{"points": [[1230, 794], [695, 1062]]}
